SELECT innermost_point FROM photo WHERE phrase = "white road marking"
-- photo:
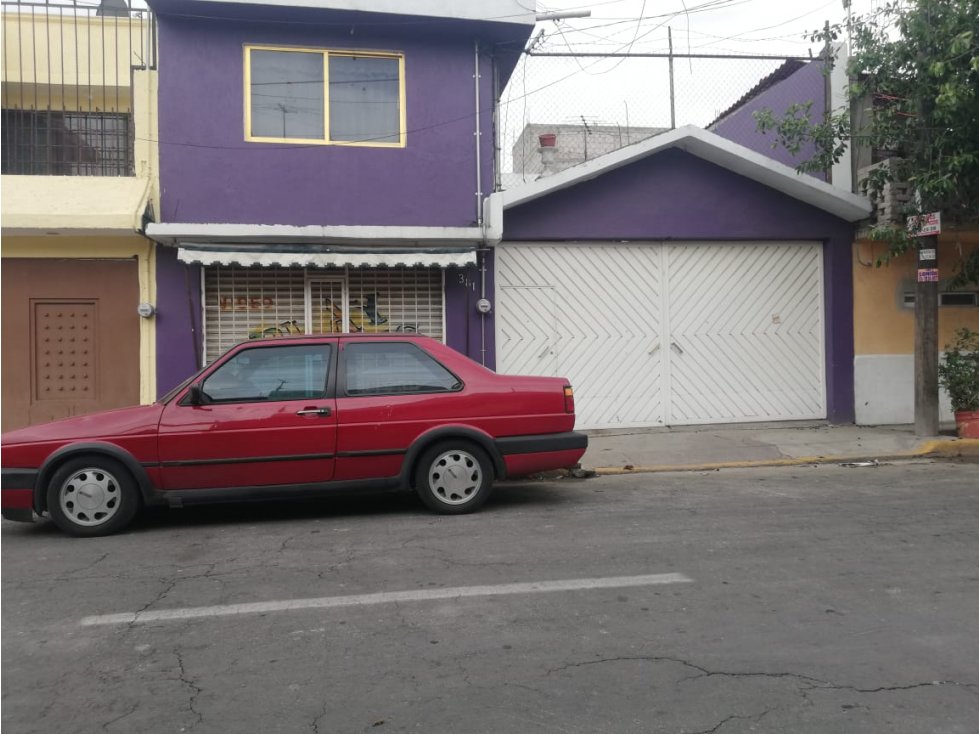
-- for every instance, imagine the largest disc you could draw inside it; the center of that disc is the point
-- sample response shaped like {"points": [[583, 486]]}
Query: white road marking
{"points": [[386, 597]]}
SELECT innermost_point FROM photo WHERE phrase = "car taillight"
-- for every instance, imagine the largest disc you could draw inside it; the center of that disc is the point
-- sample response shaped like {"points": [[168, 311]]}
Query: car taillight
{"points": [[568, 399]]}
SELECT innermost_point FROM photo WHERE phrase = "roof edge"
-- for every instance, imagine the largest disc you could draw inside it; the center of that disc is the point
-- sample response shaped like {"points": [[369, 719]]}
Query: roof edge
{"points": [[714, 149], [172, 233]]}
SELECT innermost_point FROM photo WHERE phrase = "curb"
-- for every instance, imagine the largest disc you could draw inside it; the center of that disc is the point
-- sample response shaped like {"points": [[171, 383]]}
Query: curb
{"points": [[938, 448]]}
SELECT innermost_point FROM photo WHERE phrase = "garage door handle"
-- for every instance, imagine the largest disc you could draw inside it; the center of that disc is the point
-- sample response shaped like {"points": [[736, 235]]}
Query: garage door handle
{"points": [[654, 349], [546, 350], [314, 411], [677, 347]]}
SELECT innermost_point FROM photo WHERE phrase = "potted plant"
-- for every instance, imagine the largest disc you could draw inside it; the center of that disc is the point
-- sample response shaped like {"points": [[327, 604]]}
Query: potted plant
{"points": [[958, 373]]}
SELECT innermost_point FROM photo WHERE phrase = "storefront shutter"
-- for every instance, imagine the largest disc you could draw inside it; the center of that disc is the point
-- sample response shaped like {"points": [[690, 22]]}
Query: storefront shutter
{"points": [[242, 303]]}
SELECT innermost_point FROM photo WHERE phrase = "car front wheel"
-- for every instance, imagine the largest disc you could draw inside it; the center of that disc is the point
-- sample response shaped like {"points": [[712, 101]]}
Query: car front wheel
{"points": [[454, 478], [92, 496]]}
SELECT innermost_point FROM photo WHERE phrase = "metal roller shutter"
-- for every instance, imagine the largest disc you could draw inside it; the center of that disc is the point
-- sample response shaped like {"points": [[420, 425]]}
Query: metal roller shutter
{"points": [[242, 303]]}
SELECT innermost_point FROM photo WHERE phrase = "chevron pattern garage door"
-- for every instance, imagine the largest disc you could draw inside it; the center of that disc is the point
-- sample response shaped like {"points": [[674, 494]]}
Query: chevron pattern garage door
{"points": [[605, 333], [746, 333], [678, 334]]}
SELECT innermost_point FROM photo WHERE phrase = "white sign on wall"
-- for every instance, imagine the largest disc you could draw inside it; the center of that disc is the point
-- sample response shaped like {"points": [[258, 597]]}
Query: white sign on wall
{"points": [[926, 225]]}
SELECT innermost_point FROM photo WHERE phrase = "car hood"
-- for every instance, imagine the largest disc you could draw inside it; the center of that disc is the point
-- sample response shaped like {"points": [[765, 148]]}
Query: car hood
{"points": [[133, 421]]}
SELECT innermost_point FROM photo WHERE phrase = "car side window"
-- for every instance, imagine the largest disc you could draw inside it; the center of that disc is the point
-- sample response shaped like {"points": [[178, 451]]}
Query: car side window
{"points": [[271, 373], [394, 368]]}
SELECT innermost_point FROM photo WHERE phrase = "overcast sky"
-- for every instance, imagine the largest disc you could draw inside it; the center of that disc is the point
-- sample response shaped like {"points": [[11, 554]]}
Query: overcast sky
{"points": [[634, 92], [721, 26]]}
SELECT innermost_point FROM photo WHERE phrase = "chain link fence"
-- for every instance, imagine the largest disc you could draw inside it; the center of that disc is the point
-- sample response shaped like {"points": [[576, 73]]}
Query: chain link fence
{"points": [[595, 104]]}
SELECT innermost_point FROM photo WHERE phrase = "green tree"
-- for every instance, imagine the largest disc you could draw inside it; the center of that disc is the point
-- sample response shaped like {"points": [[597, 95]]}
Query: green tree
{"points": [[915, 67]]}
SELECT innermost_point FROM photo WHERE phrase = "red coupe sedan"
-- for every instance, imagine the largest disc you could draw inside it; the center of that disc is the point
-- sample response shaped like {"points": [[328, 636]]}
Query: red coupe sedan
{"points": [[293, 417]]}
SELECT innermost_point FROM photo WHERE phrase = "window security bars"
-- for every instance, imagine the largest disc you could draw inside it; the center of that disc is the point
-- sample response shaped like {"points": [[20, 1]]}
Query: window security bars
{"points": [[67, 86], [258, 303]]}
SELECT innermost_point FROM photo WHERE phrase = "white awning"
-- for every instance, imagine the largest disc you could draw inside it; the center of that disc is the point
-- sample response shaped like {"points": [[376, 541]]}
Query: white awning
{"points": [[442, 257]]}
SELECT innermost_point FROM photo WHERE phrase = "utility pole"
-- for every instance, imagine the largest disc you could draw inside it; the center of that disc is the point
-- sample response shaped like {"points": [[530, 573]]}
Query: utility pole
{"points": [[926, 339], [926, 228]]}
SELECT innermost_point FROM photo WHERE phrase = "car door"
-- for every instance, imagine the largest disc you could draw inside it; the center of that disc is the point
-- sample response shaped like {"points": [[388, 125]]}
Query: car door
{"points": [[267, 418], [389, 393]]}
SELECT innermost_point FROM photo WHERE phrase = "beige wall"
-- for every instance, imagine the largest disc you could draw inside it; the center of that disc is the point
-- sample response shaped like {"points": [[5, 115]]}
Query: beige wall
{"points": [[143, 250], [882, 325], [83, 62]]}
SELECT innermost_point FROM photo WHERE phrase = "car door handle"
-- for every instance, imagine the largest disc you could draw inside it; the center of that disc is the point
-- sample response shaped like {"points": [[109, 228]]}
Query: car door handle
{"points": [[314, 411]]}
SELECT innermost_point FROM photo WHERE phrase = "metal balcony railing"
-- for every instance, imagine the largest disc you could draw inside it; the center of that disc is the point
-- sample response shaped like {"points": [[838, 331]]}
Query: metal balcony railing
{"points": [[67, 86]]}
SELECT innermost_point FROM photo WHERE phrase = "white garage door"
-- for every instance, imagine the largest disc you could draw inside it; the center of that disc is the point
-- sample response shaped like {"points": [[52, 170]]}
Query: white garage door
{"points": [[669, 334]]}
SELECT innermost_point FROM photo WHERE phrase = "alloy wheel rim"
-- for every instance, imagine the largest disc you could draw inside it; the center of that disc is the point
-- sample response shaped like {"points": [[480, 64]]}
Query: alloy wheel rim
{"points": [[90, 497], [455, 477]]}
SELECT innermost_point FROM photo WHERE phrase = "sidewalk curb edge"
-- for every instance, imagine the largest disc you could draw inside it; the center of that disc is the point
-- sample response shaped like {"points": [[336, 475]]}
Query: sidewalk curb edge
{"points": [[942, 448]]}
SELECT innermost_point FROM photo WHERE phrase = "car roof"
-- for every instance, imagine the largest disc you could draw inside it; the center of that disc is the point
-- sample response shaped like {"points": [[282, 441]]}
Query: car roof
{"points": [[396, 336]]}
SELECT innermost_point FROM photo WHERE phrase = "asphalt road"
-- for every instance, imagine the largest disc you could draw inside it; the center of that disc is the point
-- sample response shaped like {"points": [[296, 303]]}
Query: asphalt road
{"points": [[769, 600]]}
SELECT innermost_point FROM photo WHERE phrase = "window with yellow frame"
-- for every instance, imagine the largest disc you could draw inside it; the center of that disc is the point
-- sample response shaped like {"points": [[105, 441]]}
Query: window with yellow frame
{"points": [[326, 97]]}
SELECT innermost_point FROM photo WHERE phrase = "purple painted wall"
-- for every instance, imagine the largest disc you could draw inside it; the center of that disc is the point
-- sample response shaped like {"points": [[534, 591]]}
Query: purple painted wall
{"points": [[210, 174], [467, 330], [178, 315], [676, 196], [808, 83]]}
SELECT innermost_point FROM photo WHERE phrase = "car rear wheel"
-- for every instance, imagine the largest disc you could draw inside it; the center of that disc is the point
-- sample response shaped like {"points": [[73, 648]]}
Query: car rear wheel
{"points": [[453, 478], [92, 496]]}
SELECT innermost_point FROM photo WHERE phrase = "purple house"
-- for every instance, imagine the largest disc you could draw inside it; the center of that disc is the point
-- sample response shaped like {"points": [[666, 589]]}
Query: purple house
{"points": [[691, 278], [328, 168], [685, 279], [323, 166]]}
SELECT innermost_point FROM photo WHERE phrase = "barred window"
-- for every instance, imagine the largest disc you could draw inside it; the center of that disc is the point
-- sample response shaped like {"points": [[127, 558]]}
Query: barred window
{"points": [[48, 143]]}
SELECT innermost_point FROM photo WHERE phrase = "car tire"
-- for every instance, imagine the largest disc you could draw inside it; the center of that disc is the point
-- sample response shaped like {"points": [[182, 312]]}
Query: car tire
{"points": [[454, 477], [90, 496]]}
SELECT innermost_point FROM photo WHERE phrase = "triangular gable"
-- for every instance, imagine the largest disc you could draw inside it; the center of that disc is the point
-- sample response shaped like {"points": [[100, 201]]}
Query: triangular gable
{"points": [[703, 145]]}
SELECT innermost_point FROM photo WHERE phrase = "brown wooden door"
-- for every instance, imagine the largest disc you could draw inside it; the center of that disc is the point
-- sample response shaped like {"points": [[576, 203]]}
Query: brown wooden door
{"points": [[70, 338]]}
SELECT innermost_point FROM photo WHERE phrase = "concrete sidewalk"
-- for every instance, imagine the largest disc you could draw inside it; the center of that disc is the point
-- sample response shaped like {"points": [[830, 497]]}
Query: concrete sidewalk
{"points": [[691, 448]]}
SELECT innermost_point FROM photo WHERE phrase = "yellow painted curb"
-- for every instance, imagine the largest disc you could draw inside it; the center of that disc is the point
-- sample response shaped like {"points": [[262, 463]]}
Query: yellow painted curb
{"points": [[937, 447]]}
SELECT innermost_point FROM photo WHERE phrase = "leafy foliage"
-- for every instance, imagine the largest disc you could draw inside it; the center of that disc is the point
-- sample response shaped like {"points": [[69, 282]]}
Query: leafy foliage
{"points": [[959, 371], [915, 71]]}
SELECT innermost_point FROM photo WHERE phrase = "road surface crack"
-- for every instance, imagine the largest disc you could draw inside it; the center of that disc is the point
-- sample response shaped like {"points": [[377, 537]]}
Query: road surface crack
{"points": [[195, 690], [808, 682]]}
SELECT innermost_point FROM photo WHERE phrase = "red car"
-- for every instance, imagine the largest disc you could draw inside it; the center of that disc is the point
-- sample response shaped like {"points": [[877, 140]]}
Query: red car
{"points": [[293, 417]]}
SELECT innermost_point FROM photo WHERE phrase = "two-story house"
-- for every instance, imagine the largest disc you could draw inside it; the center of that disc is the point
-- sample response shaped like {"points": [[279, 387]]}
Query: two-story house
{"points": [[323, 167], [78, 165]]}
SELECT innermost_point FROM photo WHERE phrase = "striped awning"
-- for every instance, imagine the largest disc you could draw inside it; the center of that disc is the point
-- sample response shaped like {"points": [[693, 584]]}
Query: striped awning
{"points": [[313, 256]]}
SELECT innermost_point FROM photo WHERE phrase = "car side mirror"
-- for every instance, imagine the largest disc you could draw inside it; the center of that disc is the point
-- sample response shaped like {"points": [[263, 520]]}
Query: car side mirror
{"points": [[195, 396]]}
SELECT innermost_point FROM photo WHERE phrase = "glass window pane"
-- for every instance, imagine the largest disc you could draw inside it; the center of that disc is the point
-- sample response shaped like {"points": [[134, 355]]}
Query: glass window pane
{"points": [[365, 99], [271, 373], [287, 94], [393, 369]]}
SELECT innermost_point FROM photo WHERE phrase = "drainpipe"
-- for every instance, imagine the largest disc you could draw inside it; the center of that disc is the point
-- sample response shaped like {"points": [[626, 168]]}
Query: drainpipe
{"points": [[478, 134], [482, 313], [479, 204]]}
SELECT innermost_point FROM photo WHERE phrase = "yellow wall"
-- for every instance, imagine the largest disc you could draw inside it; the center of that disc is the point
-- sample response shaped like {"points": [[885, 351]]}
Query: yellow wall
{"points": [[881, 324], [143, 250], [86, 58], [146, 149]]}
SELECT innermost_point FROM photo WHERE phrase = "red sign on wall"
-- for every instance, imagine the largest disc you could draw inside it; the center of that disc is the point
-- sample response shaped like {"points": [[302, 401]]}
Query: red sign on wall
{"points": [[247, 303]]}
